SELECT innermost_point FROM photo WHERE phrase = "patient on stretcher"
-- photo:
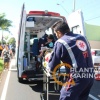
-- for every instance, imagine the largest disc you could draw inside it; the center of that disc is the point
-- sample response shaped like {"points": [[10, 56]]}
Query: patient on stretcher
{"points": [[48, 45]]}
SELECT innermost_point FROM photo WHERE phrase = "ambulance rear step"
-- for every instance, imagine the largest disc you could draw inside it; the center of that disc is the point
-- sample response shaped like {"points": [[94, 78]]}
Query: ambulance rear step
{"points": [[35, 79]]}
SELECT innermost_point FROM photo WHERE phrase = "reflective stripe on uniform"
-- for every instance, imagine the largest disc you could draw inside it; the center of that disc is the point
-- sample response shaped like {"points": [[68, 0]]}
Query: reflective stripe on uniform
{"points": [[74, 63]]}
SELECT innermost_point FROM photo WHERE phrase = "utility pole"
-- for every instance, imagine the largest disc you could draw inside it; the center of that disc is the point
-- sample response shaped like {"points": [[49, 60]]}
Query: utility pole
{"points": [[74, 1]]}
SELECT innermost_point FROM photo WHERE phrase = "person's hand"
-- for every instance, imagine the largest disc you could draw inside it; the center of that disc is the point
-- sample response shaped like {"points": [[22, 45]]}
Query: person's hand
{"points": [[48, 42], [44, 50], [48, 71]]}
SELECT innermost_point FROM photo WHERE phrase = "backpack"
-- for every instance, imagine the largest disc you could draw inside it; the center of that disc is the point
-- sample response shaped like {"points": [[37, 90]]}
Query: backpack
{"points": [[6, 54]]}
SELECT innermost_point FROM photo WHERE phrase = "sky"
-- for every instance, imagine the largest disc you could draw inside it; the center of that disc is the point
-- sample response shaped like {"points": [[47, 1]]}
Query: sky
{"points": [[12, 9]]}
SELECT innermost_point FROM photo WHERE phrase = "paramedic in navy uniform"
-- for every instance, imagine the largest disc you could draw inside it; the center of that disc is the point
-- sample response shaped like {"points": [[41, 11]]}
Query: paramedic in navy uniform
{"points": [[72, 49]]}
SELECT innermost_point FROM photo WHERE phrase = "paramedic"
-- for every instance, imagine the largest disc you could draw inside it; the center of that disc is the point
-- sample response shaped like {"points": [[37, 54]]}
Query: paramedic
{"points": [[42, 40], [49, 44], [72, 49]]}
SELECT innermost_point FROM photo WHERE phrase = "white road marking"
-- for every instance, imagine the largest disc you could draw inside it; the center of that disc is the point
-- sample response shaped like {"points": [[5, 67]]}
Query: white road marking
{"points": [[94, 98], [3, 95]]}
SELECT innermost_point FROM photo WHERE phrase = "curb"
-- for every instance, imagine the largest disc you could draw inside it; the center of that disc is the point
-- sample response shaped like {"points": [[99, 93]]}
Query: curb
{"points": [[1, 76]]}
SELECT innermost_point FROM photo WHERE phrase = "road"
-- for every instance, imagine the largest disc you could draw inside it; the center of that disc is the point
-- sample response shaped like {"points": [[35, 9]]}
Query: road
{"points": [[11, 89]]}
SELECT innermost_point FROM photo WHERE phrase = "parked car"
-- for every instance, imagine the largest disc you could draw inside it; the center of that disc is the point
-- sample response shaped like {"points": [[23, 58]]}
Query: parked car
{"points": [[96, 62]]}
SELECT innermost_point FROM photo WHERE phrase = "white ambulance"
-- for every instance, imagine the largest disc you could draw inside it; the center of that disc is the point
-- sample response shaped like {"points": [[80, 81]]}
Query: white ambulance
{"points": [[32, 27]]}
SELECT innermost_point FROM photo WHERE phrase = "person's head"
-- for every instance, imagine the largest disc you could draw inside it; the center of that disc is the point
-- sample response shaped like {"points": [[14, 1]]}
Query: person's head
{"points": [[6, 47], [45, 35], [50, 38], [61, 28]]}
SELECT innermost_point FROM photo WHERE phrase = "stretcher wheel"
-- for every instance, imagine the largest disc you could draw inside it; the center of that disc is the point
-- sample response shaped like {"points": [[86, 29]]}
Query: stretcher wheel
{"points": [[43, 96]]}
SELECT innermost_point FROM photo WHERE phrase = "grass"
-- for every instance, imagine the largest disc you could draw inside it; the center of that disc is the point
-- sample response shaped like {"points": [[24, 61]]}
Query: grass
{"points": [[1, 65]]}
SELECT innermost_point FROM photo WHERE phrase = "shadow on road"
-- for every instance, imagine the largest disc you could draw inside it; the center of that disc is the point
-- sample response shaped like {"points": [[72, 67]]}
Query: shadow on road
{"points": [[37, 86], [53, 95]]}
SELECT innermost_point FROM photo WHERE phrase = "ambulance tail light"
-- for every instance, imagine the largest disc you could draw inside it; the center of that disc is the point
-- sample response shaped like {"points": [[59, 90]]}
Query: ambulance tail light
{"points": [[24, 76], [93, 53]]}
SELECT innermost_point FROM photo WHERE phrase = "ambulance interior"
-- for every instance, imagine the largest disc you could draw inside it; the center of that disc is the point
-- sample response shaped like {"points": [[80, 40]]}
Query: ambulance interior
{"points": [[33, 27], [36, 27]]}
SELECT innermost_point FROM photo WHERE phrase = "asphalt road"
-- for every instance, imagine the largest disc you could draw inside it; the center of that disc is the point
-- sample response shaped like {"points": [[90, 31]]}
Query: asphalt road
{"points": [[13, 90]]}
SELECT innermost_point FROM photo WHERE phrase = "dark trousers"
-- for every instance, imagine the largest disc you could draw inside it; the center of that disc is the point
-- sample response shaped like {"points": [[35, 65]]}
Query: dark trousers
{"points": [[0, 52], [79, 91]]}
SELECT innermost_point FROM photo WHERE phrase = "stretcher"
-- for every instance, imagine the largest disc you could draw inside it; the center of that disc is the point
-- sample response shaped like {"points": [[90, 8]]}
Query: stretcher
{"points": [[48, 79], [54, 78]]}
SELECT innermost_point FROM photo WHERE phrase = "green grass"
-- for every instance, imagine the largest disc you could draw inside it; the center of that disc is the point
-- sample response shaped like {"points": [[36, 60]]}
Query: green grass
{"points": [[1, 65]]}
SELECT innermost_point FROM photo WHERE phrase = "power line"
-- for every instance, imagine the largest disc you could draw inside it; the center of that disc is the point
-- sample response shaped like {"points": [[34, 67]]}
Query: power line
{"points": [[62, 1], [60, 4], [92, 18], [74, 9], [63, 8]]}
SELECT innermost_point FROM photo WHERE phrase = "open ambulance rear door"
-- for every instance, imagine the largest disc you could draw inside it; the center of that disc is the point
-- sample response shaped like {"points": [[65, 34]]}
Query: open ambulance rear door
{"points": [[20, 42], [76, 22]]}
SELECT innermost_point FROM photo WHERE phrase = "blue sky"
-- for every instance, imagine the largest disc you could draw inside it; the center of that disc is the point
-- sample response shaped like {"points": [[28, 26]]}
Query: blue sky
{"points": [[12, 9]]}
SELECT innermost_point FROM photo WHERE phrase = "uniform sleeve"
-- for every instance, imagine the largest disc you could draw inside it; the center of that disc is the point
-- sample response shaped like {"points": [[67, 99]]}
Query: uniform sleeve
{"points": [[55, 56]]}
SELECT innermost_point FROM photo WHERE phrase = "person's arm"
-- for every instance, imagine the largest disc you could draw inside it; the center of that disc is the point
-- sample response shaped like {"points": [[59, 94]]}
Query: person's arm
{"points": [[2, 54], [10, 53], [55, 56]]}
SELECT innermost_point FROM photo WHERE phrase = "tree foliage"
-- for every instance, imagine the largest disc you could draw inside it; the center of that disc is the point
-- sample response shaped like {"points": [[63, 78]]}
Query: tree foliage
{"points": [[1, 19], [12, 41], [6, 37], [4, 23]]}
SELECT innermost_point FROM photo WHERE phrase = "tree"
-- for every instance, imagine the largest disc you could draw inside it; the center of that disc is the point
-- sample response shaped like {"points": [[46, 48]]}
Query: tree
{"points": [[6, 37], [12, 41], [1, 18], [4, 24]]}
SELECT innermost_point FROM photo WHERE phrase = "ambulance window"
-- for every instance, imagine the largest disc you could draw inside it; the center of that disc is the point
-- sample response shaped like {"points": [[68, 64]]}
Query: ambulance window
{"points": [[31, 19], [97, 52], [49, 31], [76, 29], [33, 36]]}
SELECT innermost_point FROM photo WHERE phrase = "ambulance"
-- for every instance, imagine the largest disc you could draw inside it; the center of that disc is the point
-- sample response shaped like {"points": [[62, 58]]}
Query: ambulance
{"points": [[33, 26]]}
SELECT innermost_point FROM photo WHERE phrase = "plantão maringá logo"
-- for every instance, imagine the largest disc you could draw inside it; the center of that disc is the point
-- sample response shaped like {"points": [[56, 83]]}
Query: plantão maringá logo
{"points": [[54, 73]]}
